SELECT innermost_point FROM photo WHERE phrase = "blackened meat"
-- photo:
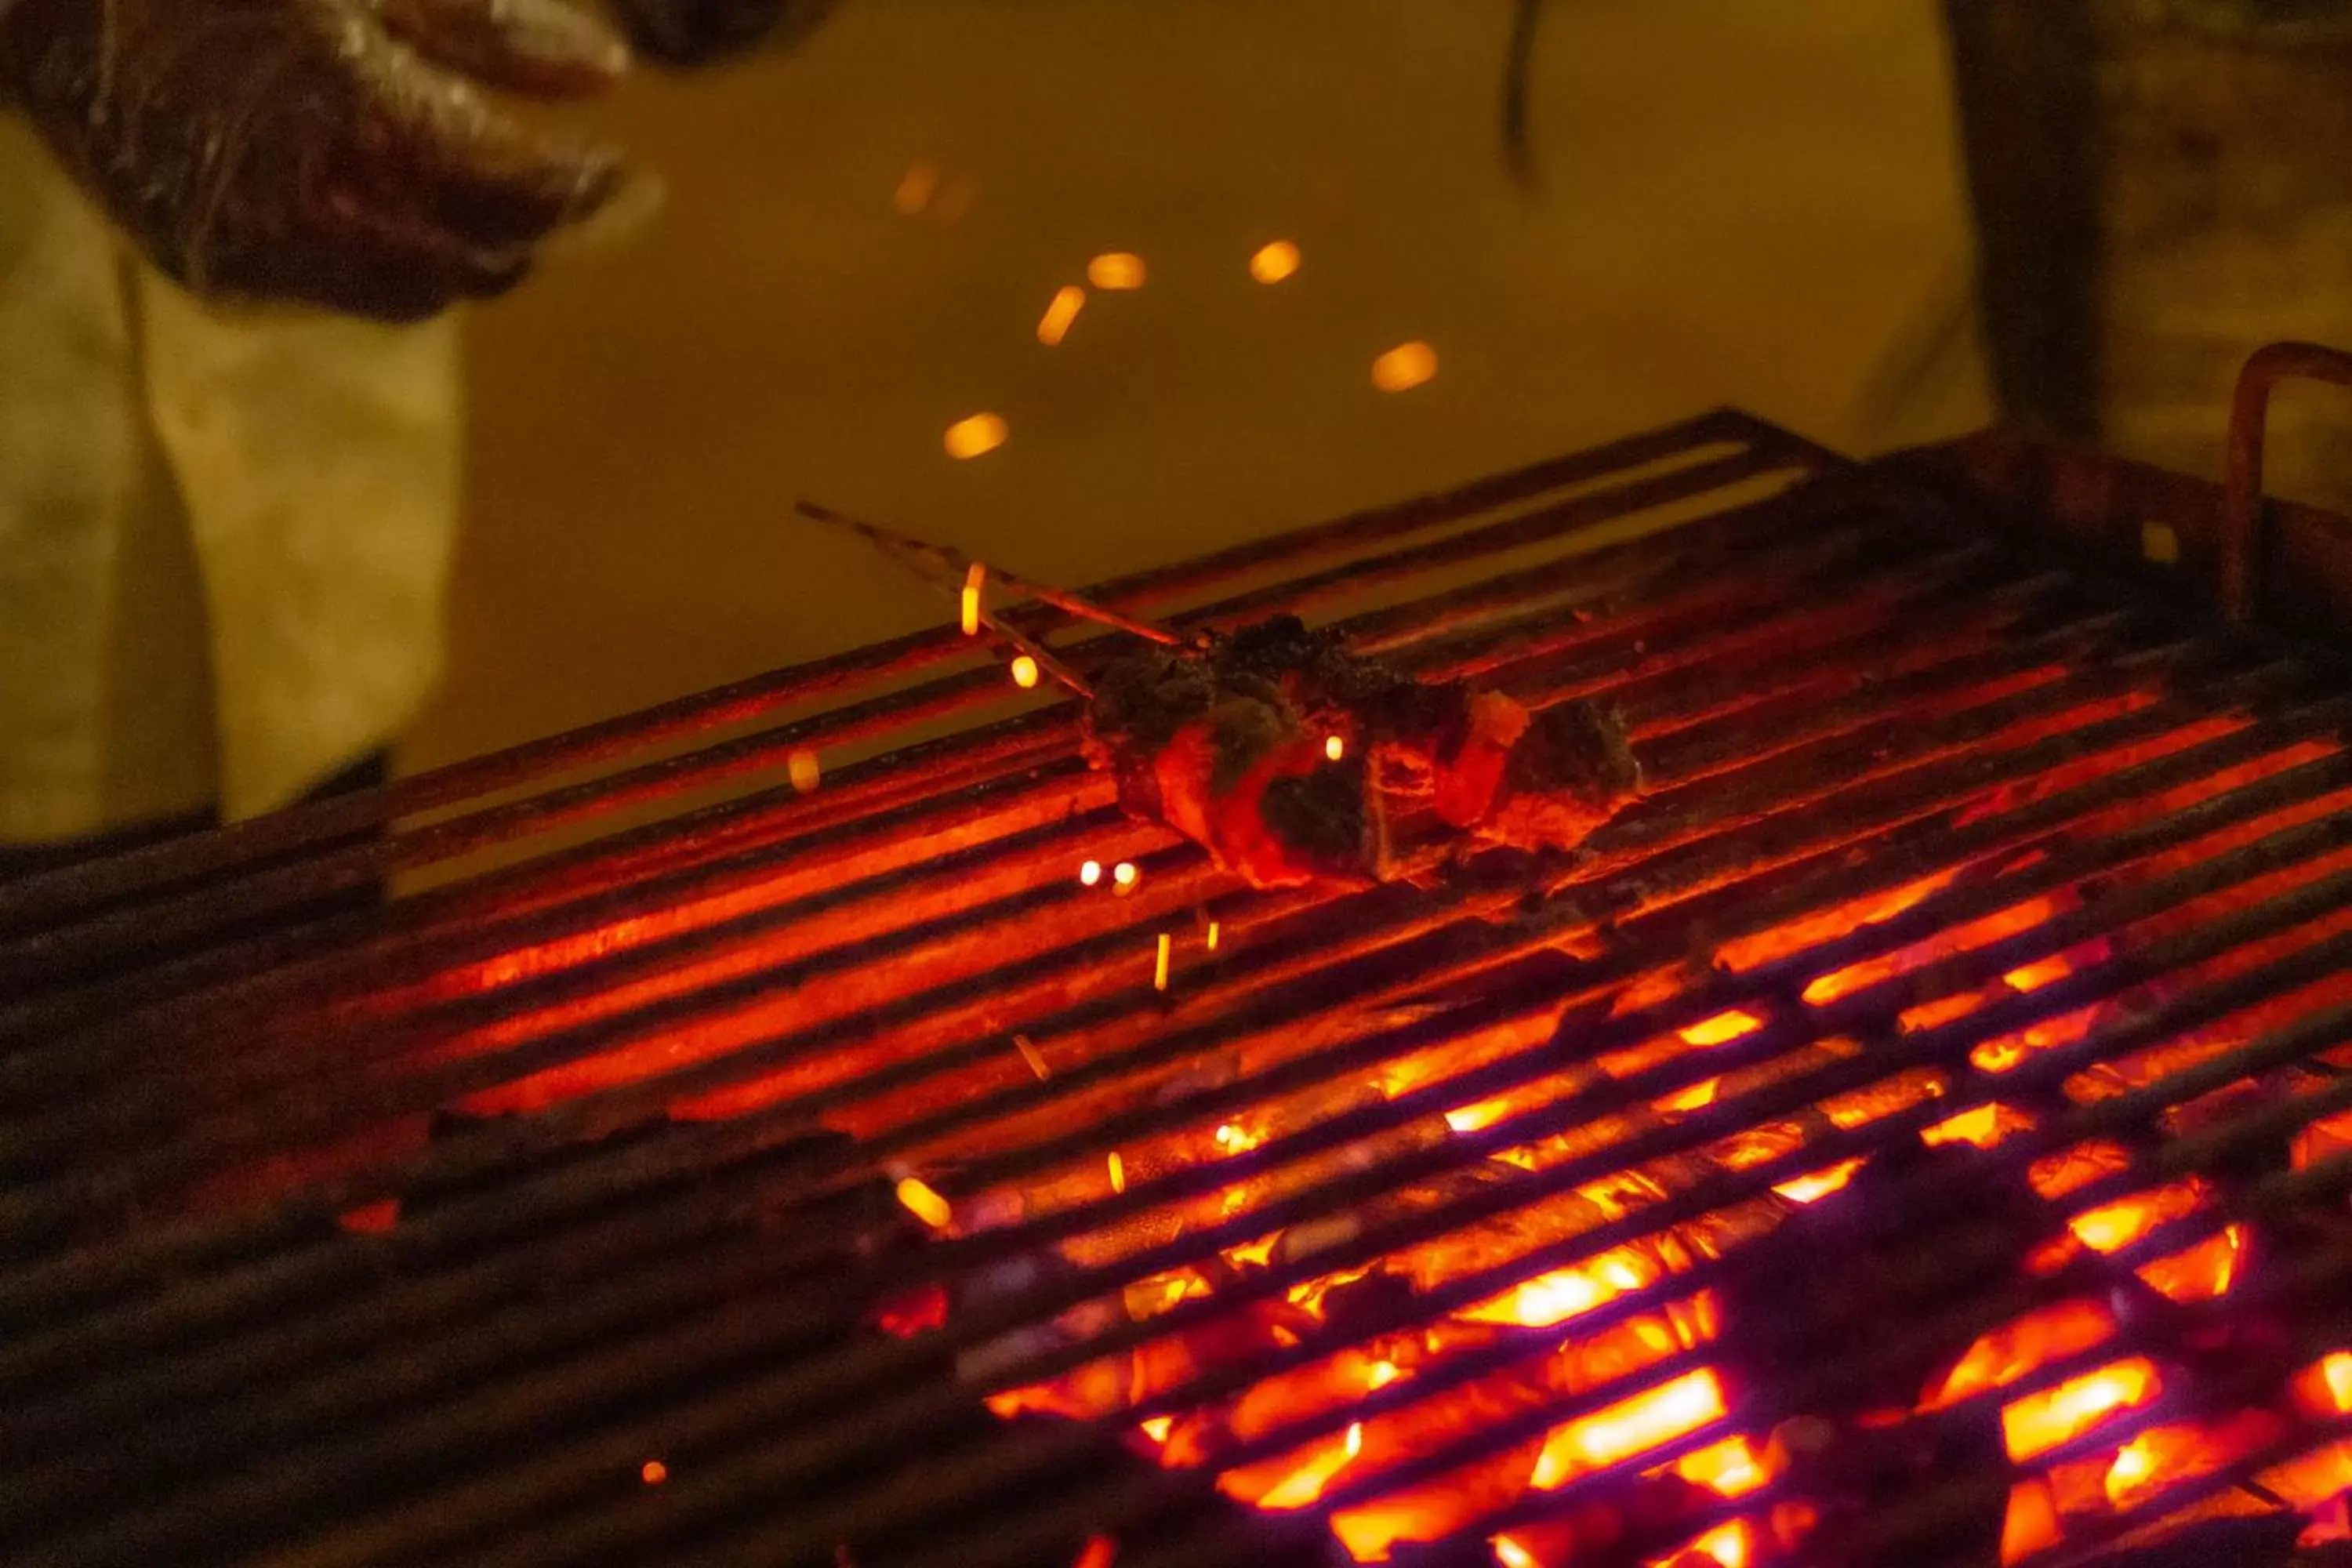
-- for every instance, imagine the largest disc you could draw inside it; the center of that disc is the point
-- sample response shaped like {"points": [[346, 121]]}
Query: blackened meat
{"points": [[1286, 755]]}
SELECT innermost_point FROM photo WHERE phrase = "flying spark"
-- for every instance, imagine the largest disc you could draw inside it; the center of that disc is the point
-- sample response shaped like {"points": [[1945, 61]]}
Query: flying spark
{"points": [[975, 578], [1116, 269], [924, 1204], [1405, 367], [980, 433], [1274, 262], [1064, 308]]}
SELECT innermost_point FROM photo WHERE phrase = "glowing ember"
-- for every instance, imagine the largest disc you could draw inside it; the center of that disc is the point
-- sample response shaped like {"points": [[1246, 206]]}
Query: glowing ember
{"points": [[1698, 1097], [975, 580], [806, 772], [1118, 1172], [1511, 1554], [924, 1204], [2041, 1422], [1274, 262], [2325, 1387], [1555, 1298], [980, 433], [1820, 1185], [1212, 936], [2013, 1352], [1721, 1029], [1306, 1483], [1060, 312], [1485, 1113], [2034, 976], [1629, 1427], [653, 1472], [1099, 1552], [1725, 1544], [1984, 1127], [1159, 964], [2203, 1272], [1090, 873], [2032, 1524], [1235, 1139], [2112, 1226], [1158, 1427], [1730, 1468], [1025, 672], [1334, 747], [1116, 269], [1405, 367], [1125, 874]]}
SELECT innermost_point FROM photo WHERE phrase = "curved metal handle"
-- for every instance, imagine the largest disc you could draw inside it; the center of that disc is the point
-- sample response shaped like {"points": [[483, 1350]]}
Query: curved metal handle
{"points": [[2242, 486]]}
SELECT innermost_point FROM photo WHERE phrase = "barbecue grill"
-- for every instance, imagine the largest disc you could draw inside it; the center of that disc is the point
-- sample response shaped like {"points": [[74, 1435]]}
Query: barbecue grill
{"points": [[1918, 1130]]}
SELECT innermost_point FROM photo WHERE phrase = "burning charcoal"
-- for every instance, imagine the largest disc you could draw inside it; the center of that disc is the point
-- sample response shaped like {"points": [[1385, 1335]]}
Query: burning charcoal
{"points": [[1829, 1270], [1633, 1523], [1286, 756], [1837, 1285]]}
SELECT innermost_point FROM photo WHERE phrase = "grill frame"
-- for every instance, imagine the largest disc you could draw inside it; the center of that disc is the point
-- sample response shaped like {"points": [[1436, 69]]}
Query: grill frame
{"points": [[109, 1302]]}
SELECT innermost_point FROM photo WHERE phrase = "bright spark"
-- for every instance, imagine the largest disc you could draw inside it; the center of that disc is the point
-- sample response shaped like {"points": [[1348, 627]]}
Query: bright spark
{"points": [[1274, 262], [1116, 269], [1064, 308], [924, 1204], [974, 579], [972, 436]]}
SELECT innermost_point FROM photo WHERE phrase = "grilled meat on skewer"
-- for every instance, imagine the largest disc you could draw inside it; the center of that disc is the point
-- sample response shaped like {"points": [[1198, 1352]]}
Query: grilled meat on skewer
{"points": [[1286, 756]]}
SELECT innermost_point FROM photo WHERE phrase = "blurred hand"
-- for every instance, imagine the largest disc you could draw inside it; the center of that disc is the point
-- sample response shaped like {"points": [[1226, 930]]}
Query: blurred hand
{"points": [[331, 152], [696, 32]]}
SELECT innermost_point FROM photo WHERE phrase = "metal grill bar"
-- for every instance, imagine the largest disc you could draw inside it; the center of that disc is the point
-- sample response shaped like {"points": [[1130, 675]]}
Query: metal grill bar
{"points": [[1841, 692]]}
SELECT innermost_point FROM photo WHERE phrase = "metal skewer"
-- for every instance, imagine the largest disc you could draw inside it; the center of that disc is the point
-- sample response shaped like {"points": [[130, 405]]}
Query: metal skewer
{"points": [[949, 565], [950, 570]]}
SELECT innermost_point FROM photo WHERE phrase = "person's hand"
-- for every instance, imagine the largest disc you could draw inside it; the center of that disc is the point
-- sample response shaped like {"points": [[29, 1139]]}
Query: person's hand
{"points": [[331, 152], [697, 32]]}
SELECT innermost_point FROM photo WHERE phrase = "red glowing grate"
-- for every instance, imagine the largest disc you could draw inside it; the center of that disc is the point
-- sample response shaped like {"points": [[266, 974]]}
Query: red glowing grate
{"points": [[1914, 1130]]}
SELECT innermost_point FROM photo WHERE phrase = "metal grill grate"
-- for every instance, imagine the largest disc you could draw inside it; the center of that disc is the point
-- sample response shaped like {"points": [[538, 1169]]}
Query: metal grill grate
{"points": [[419, 1234]]}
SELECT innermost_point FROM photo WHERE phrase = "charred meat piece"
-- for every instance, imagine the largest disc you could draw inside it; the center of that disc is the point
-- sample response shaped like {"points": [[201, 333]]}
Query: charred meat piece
{"points": [[1286, 755]]}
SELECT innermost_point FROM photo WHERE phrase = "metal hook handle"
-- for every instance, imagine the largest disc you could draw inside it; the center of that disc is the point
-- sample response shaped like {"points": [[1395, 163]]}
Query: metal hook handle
{"points": [[2242, 486]]}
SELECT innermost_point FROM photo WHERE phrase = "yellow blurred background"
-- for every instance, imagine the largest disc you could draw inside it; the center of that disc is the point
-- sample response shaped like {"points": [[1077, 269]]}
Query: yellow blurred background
{"points": [[1751, 201]]}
